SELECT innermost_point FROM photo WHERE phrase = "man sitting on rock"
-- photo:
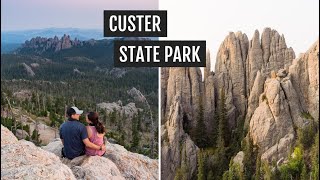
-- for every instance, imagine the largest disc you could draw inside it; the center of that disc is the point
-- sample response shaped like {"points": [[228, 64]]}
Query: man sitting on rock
{"points": [[74, 136]]}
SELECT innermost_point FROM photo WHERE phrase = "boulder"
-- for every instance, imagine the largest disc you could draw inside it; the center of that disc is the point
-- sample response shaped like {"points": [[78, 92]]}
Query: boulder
{"points": [[7, 137], [93, 167], [272, 123], [117, 159], [28, 70], [23, 160], [21, 134], [238, 159], [132, 165]]}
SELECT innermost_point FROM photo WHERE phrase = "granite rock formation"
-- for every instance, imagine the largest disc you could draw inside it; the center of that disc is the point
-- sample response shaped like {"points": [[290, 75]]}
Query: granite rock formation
{"points": [[266, 87], [22, 159], [130, 165], [40, 44]]}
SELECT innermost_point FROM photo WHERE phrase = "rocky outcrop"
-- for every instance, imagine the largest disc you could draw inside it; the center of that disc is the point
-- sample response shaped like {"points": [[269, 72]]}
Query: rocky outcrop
{"points": [[21, 134], [40, 45], [264, 85], [86, 167], [304, 73], [288, 95], [185, 83], [128, 110], [238, 159], [230, 75], [22, 159], [7, 137], [34, 65], [178, 150], [94, 167], [28, 70], [239, 61], [253, 101], [273, 121], [207, 69], [117, 72], [183, 94], [23, 94], [132, 165], [164, 84], [209, 102], [77, 71], [137, 95], [209, 95], [117, 159]]}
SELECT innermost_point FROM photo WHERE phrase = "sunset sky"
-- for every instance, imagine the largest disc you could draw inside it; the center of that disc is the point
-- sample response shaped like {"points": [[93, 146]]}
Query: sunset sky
{"points": [[38, 14], [187, 19]]}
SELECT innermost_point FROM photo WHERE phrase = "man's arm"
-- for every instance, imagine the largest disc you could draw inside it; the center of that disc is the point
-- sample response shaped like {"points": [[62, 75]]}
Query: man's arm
{"points": [[62, 141], [93, 146]]}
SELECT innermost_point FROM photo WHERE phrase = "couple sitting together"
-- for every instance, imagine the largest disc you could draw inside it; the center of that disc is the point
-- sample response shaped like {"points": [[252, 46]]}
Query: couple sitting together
{"points": [[78, 139]]}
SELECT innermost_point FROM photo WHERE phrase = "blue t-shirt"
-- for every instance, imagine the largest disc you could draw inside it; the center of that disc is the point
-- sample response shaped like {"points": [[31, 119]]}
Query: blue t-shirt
{"points": [[73, 132]]}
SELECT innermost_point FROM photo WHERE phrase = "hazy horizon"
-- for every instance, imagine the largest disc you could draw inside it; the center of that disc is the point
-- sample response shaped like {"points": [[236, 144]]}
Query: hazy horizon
{"points": [[39, 14], [57, 28]]}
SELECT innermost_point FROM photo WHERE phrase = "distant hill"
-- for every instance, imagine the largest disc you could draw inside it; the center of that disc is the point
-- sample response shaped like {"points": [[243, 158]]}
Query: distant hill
{"points": [[11, 40], [23, 35]]}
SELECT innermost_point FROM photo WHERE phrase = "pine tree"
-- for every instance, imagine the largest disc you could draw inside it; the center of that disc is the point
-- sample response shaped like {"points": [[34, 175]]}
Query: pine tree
{"points": [[3, 100], [33, 101], [113, 116], [214, 132], [267, 171], [249, 159], [139, 122], [201, 173], [200, 131], [181, 173], [258, 166], [210, 175], [315, 158], [178, 175], [53, 118], [304, 173], [223, 121], [122, 138], [221, 161], [135, 134]]}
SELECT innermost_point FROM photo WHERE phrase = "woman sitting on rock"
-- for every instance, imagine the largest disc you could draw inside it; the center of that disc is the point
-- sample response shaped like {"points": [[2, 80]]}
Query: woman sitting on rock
{"points": [[96, 132]]}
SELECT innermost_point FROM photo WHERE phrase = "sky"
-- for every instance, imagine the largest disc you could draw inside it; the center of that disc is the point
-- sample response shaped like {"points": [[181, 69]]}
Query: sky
{"points": [[40, 14], [212, 20], [206, 20]]}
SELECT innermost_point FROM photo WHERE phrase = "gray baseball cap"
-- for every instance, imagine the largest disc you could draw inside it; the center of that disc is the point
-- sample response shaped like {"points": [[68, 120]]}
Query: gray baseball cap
{"points": [[77, 110]]}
